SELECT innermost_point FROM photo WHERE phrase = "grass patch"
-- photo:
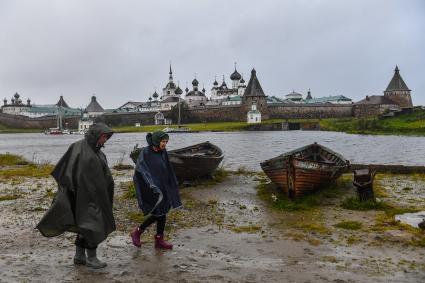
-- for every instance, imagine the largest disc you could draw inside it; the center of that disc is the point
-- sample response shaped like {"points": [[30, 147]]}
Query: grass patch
{"points": [[349, 225], [8, 130], [8, 159], [406, 124], [121, 167], [270, 193], [32, 170], [9, 197], [129, 190], [354, 203]]}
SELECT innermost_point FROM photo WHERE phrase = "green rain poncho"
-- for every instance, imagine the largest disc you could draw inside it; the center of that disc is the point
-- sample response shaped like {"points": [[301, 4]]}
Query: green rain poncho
{"points": [[83, 202]]}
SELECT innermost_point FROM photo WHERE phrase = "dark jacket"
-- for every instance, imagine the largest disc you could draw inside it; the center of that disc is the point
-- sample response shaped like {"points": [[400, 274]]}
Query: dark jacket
{"points": [[83, 202], [155, 182]]}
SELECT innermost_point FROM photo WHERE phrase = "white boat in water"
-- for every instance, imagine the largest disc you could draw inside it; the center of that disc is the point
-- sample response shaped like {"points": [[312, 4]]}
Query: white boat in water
{"points": [[177, 130]]}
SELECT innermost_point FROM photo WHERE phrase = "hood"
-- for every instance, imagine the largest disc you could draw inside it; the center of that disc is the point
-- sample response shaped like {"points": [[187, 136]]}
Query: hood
{"points": [[155, 138], [94, 133]]}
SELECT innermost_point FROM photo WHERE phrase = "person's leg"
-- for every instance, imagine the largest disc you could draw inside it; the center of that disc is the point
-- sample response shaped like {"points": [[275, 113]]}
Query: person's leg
{"points": [[80, 250], [137, 232], [159, 237], [160, 224], [148, 221]]}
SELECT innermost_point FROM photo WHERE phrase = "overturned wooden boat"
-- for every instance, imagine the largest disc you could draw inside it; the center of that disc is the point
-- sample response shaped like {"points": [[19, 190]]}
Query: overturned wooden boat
{"points": [[195, 161], [305, 169]]}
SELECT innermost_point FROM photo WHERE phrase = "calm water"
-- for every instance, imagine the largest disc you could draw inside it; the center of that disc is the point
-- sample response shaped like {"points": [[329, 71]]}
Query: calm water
{"points": [[240, 148]]}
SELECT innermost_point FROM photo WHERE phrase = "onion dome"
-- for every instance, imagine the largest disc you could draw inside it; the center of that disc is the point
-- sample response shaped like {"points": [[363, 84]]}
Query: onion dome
{"points": [[235, 76], [242, 81], [155, 95], [16, 95], [195, 82], [203, 89], [5, 101], [215, 82], [150, 98], [178, 91]]}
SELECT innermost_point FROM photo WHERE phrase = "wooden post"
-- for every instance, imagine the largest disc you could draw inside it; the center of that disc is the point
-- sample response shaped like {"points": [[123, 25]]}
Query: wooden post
{"points": [[363, 181]]}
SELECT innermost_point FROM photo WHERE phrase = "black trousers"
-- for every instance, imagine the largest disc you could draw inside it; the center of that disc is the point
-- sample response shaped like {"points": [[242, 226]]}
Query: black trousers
{"points": [[82, 243], [160, 223]]}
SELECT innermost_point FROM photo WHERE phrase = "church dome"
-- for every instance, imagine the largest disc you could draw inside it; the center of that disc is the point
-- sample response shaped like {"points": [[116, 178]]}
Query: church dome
{"points": [[195, 82], [235, 76], [179, 90], [155, 95]]}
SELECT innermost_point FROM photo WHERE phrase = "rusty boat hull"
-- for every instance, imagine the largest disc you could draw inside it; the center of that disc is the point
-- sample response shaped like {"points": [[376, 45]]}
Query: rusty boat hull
{"points": [[305, 170], [195, 161]]}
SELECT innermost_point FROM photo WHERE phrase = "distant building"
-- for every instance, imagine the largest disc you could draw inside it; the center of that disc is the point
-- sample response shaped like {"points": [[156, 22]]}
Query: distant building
{"points": [[94, 109], [222, 92], [335, 99], [170, 88], [16, 106], [253, 115], [396, 99], [295, 97], [195, 97], [232, 100], [398, 92], [254, 94], [130, 106], [85, 122]]}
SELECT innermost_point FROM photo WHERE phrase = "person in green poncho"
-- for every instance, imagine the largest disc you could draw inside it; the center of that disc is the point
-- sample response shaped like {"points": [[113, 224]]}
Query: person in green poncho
{"points": [[83, 202]]}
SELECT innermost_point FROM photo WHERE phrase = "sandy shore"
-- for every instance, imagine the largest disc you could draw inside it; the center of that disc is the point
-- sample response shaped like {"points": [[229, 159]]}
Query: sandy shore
{"points": [[225, 233]]}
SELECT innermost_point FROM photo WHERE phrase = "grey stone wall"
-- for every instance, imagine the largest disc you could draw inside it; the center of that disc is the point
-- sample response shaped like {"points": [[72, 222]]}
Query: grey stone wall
{"points": [[24, 122], [231, 113], [128, 119], [372, 110], [315, 111]]}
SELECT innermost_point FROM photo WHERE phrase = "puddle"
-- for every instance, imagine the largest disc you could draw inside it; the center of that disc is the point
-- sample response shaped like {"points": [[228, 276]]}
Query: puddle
{"points": [[412, 219]]}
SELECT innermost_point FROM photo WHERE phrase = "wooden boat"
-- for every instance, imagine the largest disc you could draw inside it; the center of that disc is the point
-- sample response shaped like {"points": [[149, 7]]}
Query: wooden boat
{"points": [[192, 162], [195, 161], [305, 170]]}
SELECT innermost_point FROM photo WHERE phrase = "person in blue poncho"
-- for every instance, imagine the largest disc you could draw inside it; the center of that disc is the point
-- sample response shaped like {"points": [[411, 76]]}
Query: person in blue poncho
{"points": [[156, 188]]}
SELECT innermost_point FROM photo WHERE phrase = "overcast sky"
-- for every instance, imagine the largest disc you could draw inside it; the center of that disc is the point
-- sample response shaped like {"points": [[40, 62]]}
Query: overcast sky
{"points": [[120, 50]]}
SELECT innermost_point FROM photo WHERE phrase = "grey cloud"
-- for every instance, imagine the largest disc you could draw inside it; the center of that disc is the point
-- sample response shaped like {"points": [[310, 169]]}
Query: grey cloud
{"points": [[120, 50]]}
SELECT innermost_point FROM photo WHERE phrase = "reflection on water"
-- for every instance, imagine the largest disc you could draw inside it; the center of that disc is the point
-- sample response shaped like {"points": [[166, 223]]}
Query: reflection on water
{"points": [[240, 148]]}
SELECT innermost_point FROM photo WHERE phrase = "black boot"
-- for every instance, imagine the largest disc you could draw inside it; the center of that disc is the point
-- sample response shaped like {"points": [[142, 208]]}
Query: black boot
{"points": [[92, 260], [80, 255]]}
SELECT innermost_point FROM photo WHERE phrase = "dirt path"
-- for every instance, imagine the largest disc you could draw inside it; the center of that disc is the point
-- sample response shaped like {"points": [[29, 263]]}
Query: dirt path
{"points": [[251, 244]]}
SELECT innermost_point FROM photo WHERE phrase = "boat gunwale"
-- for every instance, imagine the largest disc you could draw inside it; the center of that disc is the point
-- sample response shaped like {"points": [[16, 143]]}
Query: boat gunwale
{"points": [[288, 154], [177, 152]]}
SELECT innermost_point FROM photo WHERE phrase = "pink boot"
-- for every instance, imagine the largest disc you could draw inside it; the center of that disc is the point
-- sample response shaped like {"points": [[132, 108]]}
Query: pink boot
{"points": [[161, 244], [135, 237]]}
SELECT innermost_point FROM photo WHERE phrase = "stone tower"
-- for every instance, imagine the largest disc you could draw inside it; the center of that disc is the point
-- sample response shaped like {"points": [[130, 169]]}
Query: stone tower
{"points": [[398, 92], [254, 94]]}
